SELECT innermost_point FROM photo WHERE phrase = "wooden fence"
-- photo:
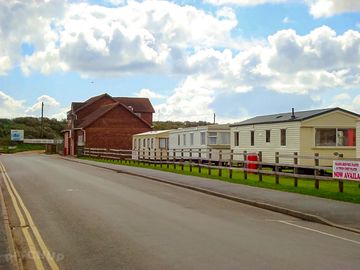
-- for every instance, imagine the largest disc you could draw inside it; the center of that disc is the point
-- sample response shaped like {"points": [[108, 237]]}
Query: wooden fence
{"points": [[229, 160]]}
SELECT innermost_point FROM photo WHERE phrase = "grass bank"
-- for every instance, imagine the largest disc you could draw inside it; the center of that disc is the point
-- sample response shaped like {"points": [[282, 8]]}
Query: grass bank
{"points": [[328, 189]]}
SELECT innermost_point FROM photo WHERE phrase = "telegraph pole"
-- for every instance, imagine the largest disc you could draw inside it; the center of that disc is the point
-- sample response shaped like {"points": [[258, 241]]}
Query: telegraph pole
{"points": [[42, 120], [214, 118]]}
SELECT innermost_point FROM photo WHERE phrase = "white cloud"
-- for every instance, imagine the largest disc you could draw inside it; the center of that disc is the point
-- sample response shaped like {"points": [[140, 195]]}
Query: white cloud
{"points": [[243, 2], [149, 36], [287, 20], [326, 8], [149, 94], [48, 101], [10, 107], [28, 22]]}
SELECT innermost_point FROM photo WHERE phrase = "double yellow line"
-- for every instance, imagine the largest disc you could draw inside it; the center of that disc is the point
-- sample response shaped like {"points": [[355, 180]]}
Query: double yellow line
{"points": [[26, 227]]}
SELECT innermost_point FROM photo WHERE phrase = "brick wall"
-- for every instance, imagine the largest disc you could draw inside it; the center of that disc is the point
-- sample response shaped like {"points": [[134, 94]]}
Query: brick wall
{"points": [[114, 130]]}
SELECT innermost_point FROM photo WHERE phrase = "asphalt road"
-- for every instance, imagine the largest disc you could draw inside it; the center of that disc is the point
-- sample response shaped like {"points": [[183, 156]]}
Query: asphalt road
{"points": [[91, 218]]}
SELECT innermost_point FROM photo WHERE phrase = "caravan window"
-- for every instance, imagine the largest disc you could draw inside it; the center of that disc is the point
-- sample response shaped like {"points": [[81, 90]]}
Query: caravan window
{"points": [[236, 138], [202, 138], [335, 137], [283, 137]]}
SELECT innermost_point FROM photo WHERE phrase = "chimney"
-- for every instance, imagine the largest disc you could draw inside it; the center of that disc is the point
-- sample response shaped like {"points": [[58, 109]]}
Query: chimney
{"points": [[293, 114]]}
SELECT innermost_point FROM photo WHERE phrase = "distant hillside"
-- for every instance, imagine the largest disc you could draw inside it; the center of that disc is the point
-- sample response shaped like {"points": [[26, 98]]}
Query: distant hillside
{"points": [[31, 127], [161, 125]]}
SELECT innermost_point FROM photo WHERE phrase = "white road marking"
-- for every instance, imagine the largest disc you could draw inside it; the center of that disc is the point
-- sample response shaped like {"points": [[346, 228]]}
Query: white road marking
{"points": [[317, 231]]}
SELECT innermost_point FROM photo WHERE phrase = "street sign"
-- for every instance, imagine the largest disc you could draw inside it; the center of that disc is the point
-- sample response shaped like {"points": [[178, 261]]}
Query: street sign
{"points": [[346, 170], [17, 135]]}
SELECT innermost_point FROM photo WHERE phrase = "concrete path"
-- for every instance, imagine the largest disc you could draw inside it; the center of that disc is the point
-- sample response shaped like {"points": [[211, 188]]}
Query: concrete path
{"points": [[336, 213]]}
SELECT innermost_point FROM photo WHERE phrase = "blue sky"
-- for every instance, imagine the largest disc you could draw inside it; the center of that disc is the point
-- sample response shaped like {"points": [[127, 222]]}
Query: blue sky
{"points": [[235, 58]]}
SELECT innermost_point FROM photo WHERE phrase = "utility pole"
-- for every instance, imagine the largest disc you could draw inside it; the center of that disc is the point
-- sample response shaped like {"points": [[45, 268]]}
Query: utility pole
{"points": [[214, 118], [42, 120]]}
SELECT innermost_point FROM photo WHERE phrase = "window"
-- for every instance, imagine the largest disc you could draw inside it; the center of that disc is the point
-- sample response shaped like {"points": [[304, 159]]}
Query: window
{"points": [[335, 137], [152, 143], [252, 138], [236, 138], [283, 137], [202, 138], [191, 138], [184, 139], [212, 138], [144, 143], [80, 141], [268, 134], [164, 143], [223, 138], [148, 143], [179, 140]]}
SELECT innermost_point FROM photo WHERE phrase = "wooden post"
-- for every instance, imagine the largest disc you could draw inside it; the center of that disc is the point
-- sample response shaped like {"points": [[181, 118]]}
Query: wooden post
{"points": [[245, 166], [260, 166], [296, 162], [277, 161], [341, 186], [316, 171], [209, 162], [161, 158], [143, 158], [182, 159], [174, 158], [190, 159], [220, 163], [231, 163], [167, 158], [149, 157], [199, 161]]}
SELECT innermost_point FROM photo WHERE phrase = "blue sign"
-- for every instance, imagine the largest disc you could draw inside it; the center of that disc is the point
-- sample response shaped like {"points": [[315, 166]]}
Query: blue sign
{"points": [[17, 135]]}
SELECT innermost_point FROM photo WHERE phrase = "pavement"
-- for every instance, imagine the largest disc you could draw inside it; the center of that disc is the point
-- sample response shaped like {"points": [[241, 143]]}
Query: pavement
{"points": [[93, 218], [343, 215]]}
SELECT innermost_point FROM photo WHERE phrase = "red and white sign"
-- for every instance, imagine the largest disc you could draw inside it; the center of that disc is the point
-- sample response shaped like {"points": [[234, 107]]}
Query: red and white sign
{"points": [[349, 170]]}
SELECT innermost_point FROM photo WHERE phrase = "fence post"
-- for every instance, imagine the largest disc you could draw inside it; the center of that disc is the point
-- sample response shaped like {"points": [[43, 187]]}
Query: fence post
{"points": [[231, 163], [182, 159], [209, 162], [174, 159], [341, 182], [199, 161], [167, 158], [143, 157], [260, 166], [190, 159], [316, 171], [277, 160], [161, 158], [245, 166], [220, 162], [296, 162]]}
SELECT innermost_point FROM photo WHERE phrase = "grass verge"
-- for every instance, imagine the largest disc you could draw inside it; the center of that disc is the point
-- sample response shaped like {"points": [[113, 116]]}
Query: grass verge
{"points": [[328, 189]]}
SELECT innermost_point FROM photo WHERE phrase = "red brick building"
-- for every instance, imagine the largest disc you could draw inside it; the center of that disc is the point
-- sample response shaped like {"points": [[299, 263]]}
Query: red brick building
{"points": [[106, 122]]}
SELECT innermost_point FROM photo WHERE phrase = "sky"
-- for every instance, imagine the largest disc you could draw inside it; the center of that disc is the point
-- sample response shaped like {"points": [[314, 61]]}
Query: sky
{"points": [[234, 58]]}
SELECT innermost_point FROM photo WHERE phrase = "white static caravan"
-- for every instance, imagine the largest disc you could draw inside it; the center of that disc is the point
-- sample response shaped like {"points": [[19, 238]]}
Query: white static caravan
{"points": [[203, 139], [151, 144], [325, 131]]}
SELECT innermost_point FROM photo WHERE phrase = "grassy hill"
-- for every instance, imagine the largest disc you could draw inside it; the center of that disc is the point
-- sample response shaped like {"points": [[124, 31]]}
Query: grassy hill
{"points": [[31, 127]]}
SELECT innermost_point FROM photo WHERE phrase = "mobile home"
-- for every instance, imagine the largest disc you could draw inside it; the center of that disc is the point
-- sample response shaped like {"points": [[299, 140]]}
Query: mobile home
{"points": [[151, 144], [329, 132], [200, 142]]}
